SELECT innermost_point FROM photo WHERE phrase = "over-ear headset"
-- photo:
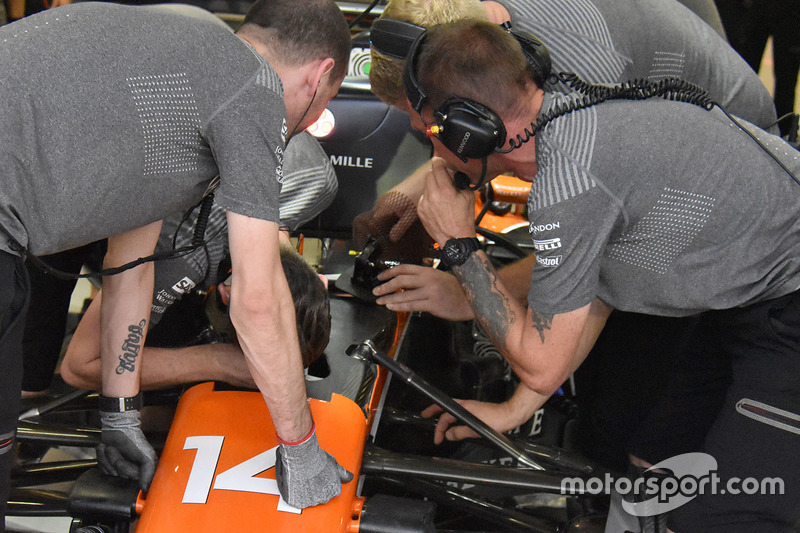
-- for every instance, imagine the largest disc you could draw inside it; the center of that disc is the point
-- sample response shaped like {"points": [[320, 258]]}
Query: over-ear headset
{"points": [[467, 128]]}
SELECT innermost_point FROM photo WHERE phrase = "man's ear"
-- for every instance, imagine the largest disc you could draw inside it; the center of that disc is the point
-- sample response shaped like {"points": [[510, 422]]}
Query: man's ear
{"points": [[319, 71], [224, 293]]}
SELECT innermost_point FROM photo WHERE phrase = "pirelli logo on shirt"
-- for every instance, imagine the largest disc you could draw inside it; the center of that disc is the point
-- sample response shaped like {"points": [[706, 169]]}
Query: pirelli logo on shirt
{"points": [[544, 245]]}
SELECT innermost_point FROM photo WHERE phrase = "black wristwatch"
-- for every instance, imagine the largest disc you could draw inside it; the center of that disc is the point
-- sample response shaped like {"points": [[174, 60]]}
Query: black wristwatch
{"points": [[121, 405], [456, 251]]}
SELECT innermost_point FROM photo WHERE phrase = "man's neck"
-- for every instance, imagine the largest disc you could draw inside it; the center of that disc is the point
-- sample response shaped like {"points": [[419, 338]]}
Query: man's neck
{"points": [[496, 13], [522, 161]]}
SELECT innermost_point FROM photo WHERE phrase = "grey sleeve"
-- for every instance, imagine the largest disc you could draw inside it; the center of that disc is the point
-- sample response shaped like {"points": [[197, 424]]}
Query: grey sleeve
{"points": [[178, 276], [247, 139], [569, 239], [309, 183]]}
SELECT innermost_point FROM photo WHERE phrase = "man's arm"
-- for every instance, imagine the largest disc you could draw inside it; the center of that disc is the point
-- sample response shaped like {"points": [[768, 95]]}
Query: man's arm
{"points": [[501, 417], [262, 312], [160, 367], [542, 349], [409, 288], [123, 449], [125, 312]]}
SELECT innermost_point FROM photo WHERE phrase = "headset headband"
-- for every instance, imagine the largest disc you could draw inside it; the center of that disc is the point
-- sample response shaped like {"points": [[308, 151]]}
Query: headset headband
{"points": [[393, 37], [413, 89]]}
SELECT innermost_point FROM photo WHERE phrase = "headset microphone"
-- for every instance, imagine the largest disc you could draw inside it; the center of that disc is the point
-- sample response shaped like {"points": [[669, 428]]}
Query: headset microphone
{"points": [[461, 181]]}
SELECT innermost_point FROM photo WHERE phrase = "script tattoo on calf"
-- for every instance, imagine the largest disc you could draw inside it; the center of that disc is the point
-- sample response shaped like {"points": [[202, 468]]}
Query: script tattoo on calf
{"points": [[492, 307], [131, 347]]}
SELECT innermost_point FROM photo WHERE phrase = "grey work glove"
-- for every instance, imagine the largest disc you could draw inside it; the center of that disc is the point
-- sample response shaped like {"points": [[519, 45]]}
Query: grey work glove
{"points": [[308, 475], [123, 450]]}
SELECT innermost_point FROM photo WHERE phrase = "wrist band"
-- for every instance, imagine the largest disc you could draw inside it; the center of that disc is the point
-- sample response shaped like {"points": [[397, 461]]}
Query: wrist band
{"points": [[301, 441], [121, 405]]}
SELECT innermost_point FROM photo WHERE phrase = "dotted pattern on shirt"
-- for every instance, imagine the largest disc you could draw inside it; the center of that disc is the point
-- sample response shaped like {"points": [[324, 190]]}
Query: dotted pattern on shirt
{"points": [[170, 122], [667, 65], [27, 25], [656, 240], [779, 148], [576, 34]]}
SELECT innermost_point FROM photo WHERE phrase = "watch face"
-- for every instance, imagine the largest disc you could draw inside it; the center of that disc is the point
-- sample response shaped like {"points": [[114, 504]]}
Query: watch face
{"points": [[456, 251], [452, 251]]}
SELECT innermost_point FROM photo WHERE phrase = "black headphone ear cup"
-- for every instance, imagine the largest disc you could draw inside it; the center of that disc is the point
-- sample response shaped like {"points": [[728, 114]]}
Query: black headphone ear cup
{"points": [[537, 54], [470, 130]]}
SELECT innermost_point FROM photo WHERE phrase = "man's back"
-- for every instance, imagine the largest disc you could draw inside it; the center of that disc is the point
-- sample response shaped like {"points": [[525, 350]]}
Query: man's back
{"points": [[611, 41], [94, 147], [664, 204]]}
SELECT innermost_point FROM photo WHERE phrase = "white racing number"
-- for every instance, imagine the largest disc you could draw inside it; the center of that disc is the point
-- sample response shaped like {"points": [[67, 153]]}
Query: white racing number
{"points": [[241, 477]]}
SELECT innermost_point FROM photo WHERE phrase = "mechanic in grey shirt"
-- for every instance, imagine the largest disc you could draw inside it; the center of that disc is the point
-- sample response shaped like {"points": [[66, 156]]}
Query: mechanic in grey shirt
{"points": [[693, 216], [309, 187], [602, 41], [126, 126]]}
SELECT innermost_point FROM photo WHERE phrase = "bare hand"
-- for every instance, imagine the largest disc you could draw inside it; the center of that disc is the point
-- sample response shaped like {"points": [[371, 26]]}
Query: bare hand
{"points": [[420, 288], [445, 211], [498, 416]]}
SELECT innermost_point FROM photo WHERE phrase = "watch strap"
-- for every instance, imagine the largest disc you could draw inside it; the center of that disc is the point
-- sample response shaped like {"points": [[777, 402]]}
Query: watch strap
{"points": [[120, 405]]}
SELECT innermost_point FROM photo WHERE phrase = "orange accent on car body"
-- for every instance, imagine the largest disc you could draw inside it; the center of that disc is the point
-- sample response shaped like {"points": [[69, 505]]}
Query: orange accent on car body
{"points": [[510, 189], [243, 421]]}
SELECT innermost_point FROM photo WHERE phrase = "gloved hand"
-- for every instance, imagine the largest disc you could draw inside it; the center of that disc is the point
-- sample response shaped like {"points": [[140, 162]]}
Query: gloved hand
{"points": [[123, 450], [308, 475], [393, 214]]}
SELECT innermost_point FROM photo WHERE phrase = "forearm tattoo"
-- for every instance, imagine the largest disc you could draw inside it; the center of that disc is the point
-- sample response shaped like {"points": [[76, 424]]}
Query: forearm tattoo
{"points": [[492, 307], [131, 347], [541, 322]]}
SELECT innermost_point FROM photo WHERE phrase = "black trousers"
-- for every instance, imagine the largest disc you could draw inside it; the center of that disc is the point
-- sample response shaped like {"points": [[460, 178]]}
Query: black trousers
{"points": [[14, 291], [749, 23], [756, 433], [46, 322]]}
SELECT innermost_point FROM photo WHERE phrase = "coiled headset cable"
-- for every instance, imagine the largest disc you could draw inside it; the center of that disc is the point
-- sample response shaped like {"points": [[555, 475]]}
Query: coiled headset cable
{"points": [[669, 88], [675, 89]]}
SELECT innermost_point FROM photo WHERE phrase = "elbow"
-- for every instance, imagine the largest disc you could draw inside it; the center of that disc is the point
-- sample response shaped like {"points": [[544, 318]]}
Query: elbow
{"points": [[79, 376], [544, 382], [250, 310]]}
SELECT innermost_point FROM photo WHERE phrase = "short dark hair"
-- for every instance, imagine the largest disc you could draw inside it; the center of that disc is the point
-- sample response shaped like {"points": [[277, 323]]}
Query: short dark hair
{"points": [[311, 304], [492, 70], [304, 30]]}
